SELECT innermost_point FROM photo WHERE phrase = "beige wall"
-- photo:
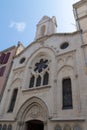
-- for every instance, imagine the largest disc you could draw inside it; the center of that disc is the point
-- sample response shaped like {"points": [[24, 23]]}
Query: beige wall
{"points": [[45, 102]]}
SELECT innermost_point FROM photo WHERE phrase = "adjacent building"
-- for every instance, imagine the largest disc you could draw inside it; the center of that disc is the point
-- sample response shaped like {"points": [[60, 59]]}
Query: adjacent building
{"points": [[6, 61], [47, 85]]}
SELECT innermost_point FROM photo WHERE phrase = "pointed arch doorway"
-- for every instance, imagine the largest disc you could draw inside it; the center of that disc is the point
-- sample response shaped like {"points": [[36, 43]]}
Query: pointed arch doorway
{"points": [[34, 125], [32, 115]]}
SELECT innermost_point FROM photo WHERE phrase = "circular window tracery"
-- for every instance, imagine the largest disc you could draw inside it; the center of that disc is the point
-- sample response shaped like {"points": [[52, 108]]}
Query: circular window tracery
{"points": [[39, 73], [41, 65], [64, 45]]}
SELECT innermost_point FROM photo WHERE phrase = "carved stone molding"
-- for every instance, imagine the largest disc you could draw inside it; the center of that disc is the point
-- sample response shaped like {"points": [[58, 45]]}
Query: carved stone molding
{"points": [[33, 108]]}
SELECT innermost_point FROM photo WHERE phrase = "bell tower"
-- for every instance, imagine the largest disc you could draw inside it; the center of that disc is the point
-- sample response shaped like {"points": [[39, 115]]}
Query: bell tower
{"points": [[46, 26]]}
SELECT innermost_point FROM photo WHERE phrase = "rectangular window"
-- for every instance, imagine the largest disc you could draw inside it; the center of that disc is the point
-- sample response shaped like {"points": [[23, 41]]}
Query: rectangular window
{"points": [[13, 100], [2, 69], [67, 93]]}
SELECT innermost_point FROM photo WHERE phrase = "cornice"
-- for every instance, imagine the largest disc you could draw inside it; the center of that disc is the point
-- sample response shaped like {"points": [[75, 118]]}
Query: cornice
{"points": [[42, 39], [79, 4], [8, 49]]}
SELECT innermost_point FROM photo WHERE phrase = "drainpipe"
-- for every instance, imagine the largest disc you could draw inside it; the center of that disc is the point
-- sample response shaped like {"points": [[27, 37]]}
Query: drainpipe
{"points": [[84, 53]]}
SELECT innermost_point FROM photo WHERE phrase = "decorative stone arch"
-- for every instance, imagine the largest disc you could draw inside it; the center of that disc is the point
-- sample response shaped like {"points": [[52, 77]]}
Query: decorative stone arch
{"points": [[33, 109], [16, 83], [64, 72], [65, 68], [44, 53]]}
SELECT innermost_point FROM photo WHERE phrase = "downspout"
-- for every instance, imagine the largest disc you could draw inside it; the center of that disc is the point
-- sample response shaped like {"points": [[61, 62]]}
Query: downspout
{"points": [[83, 44]]}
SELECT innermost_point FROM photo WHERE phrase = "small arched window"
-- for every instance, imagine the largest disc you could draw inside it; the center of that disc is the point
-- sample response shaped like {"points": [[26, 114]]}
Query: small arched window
{"points": [[9, 127], [0, 126], [67, 93], [67, 128], [38, 81], [40, 73], [32, 81], [58, 127], [4, 127], [45, 78], [77, 128]]}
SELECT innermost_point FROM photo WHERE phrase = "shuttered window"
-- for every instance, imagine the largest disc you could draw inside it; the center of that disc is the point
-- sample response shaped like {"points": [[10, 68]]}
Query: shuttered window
{"points": [[4, 58]]}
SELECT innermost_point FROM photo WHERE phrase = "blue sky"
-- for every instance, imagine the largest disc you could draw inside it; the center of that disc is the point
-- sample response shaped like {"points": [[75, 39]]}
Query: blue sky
{"points": [[18, 19]]}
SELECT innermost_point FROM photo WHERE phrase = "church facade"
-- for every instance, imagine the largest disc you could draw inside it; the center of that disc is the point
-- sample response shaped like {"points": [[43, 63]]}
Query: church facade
{"points": [[47, 85]]}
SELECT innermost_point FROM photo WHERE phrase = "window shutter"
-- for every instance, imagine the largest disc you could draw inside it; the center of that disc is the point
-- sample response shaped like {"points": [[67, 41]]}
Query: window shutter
{"points": [[2, 69], [6, 58], [2, 58]]}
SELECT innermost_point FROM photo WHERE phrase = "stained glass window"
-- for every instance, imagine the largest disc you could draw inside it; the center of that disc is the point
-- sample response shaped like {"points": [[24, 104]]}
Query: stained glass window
{"points": [[67, 93], [45, 78], [41, 65], [38, 81], [39, 77], [32, 82]]}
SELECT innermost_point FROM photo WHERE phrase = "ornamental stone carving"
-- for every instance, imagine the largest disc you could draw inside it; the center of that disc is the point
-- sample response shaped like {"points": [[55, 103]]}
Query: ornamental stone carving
{"points": [[34, 111]]}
